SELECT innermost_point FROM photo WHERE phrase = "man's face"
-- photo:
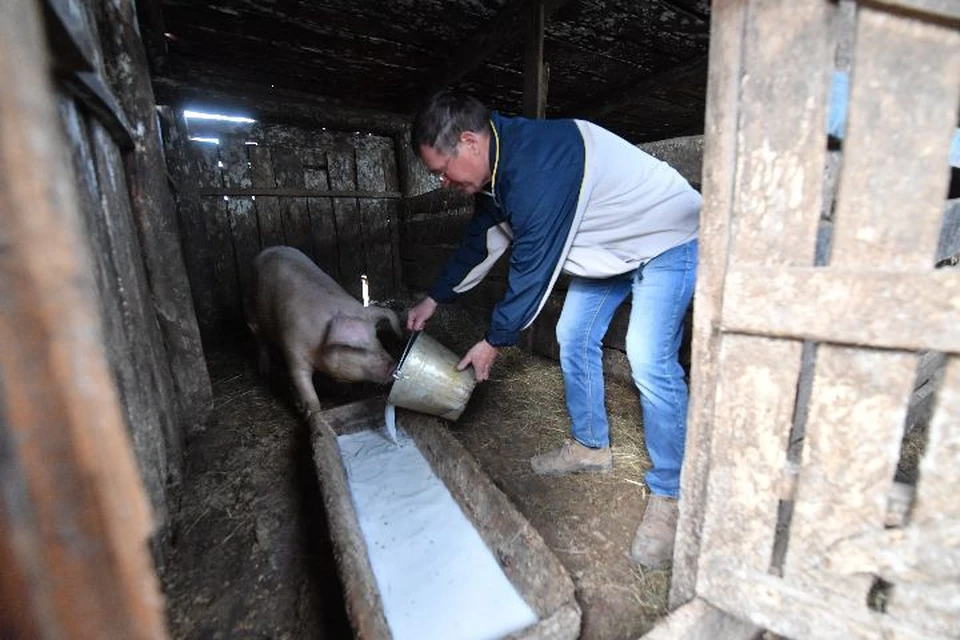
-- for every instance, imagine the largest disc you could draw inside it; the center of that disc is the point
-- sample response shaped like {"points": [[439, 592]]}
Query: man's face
{"points": [[467, 170]]}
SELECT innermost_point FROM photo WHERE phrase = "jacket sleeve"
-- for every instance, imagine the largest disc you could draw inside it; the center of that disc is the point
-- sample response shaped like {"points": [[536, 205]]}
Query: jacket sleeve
{"points": [[542, 214], [485, 240]]}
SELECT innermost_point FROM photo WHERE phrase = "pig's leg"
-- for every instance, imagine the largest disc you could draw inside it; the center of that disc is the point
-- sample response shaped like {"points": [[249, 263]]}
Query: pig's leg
{"points": [[302, 374]]}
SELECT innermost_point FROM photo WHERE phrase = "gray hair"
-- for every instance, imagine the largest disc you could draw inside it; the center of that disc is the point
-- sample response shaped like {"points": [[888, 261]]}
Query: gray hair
{"points": [[443, 117]]}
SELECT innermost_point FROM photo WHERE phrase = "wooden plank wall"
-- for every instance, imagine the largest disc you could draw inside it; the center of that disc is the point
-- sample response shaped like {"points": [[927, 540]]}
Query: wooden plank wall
{"points": [[265, 185], [83, 369], [803, 530], [150, 332]]}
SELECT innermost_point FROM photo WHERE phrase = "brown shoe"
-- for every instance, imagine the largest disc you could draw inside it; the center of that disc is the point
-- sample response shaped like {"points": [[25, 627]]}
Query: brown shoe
{"points": [[572, 457], [653, 545]]}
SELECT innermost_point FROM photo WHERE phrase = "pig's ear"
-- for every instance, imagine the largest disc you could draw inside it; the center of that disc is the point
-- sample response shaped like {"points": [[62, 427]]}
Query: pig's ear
{"points": [[344, 331], [383, 313]]}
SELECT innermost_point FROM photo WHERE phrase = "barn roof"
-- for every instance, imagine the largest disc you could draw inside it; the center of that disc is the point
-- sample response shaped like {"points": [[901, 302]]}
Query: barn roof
{"points": [[638, 68]]}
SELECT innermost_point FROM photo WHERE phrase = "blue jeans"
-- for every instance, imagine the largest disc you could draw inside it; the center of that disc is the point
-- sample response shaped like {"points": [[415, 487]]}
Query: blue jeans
{"points": [[662, 290]]}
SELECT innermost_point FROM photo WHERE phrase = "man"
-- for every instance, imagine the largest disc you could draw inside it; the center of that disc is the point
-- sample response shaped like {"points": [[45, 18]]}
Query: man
{"points": [[572, 197]]}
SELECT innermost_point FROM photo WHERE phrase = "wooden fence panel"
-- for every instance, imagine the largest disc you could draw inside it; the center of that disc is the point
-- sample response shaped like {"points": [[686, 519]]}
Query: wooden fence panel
{"points": [[858, 560], [777, 202]]}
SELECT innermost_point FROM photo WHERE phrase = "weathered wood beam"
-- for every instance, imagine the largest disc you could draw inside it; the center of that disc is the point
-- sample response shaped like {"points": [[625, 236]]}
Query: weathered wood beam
{"points": [[534, 85], [633, 92], [213, 91], [506, 27]]}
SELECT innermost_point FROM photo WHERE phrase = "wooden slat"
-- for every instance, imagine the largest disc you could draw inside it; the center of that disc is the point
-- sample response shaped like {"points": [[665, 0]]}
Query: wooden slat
{"points": [[153, 413], [322, 223], [895, 173], [929, 600], [780, 169], [391, 170], [268, 209], [244, 230], [855, 392], [914, 310], [288, 171], [75, 520], [193, 234], [752, 419], [342, 174], [214, 214], [375, 221], [719, 162]]}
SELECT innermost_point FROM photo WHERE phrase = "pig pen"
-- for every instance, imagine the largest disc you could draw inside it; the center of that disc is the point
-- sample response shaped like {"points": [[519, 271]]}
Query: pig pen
{"points": [[252, 555]]}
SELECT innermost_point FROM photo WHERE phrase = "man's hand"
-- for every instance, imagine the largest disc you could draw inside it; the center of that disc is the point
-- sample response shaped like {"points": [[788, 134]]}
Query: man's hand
{"points": [[481, 356], [419, 313]]}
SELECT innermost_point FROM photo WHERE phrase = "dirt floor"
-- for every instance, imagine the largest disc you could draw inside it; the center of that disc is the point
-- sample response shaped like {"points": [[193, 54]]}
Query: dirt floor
{"points": [[251, 556]]}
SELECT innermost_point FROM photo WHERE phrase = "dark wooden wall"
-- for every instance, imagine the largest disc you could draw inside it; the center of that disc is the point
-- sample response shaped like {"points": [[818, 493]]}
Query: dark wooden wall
{"points": [[150, 327], [101, 369], [333, 195]]}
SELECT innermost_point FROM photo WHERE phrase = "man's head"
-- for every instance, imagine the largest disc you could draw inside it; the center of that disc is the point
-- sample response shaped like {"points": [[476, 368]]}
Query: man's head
{"points": [[451, 134]]}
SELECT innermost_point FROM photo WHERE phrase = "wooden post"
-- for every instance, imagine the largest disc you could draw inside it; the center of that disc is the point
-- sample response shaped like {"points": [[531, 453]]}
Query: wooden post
{"points": [[534, 79], [73, 515]]}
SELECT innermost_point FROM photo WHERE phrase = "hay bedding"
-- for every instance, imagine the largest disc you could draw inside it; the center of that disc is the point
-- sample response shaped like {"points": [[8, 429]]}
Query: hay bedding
{"points": [[251, 555]]}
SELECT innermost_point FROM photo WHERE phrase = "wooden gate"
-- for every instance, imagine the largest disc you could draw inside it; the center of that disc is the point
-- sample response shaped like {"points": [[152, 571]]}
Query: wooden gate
{"points": [[803, 371]]}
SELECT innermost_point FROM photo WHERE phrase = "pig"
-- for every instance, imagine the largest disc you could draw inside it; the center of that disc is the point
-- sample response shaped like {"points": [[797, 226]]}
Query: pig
{"points": [[317, 326]]}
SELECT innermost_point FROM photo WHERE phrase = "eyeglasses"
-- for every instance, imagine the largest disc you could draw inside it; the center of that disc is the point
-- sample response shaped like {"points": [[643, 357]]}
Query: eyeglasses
{"points": [[441, 173]]}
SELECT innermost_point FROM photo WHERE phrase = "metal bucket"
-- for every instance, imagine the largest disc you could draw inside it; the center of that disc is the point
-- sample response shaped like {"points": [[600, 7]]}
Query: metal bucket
{"points": [[427, 380]]}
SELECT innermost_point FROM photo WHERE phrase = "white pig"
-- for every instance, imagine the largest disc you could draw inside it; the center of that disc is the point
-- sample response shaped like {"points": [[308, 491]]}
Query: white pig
{"points": [[316, 325]]}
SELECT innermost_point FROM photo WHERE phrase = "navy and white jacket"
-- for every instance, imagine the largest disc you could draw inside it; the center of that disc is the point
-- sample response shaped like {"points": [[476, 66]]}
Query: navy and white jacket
{"points": [[569, 196]]}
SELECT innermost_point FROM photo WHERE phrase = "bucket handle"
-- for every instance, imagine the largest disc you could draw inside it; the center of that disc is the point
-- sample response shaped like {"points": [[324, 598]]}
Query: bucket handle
{"points": [[397, 374]]}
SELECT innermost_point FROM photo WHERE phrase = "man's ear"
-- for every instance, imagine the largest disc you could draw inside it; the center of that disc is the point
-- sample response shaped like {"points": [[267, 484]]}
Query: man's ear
{"points": [[471, 139]]}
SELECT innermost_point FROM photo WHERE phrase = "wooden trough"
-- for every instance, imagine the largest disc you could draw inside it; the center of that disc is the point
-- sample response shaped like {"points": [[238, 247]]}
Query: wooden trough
{"points": [[526, 560]]}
